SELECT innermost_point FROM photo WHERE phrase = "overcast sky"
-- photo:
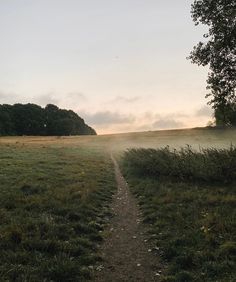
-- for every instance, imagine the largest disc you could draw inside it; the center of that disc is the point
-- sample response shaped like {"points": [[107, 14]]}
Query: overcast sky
{"points": [[121, 65]]}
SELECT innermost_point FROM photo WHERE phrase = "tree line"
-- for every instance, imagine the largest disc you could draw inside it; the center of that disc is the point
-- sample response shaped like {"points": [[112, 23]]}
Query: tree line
{"points": [[31, 119]]}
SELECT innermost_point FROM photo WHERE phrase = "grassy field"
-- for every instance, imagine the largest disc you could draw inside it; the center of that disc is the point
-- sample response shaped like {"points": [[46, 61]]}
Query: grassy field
{"points": [[188, 199], [54, 202], [151, 139], [53, 205]]}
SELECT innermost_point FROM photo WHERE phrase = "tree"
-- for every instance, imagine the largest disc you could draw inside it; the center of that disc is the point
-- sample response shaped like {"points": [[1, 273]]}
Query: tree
{"points": [[7, 126], [219, 53], [31, 119]]}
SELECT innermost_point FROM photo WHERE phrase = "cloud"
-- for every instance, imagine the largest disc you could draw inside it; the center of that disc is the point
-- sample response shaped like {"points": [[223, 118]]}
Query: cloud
{"points": [[122, 99], [2, 95], [70, 100], [204, 111], [108, 121], [46, 99], [177, 115], [107, 118], [167, 123], [156, 116], [9, 98], [77, 95]]}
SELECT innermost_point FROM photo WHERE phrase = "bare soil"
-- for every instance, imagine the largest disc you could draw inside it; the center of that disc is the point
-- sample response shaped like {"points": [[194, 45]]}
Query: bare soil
{"points": [[126, 253]]}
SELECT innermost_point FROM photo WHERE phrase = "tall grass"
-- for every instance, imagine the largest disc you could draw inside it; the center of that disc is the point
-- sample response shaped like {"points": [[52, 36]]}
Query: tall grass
{"points": [[188, 203], [208, 165]]}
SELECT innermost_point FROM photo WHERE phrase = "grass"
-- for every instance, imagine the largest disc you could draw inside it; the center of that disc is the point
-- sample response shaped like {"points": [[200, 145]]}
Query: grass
{"points": [[54, 202], [191, 218], [151, 139], [207, 165]]}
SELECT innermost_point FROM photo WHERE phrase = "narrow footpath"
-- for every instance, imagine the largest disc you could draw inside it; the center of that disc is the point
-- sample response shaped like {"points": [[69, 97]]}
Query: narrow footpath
{"points": [[126, 254]]}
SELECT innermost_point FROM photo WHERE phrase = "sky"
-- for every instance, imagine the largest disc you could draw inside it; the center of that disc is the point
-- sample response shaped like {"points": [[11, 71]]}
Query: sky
{"points": [[121, 65]]}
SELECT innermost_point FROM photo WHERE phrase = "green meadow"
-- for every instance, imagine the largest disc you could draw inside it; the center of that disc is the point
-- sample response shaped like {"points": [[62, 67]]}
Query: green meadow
{"points": [[53, 205], [188, 200], [55, 196]]}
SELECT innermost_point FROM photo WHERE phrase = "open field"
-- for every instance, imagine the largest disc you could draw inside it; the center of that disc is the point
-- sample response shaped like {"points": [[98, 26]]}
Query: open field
{"points": [[54, 202], [217, 138]]}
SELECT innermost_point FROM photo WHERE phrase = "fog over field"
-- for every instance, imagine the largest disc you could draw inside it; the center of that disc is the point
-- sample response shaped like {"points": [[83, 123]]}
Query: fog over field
{"points": [[196, 138]]}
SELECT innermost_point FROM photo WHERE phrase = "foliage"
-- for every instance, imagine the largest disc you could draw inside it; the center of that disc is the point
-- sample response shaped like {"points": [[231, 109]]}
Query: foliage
{"points": [[207, 165], [219, 52], [191, 224], [228, 113], [54, 203], [31, 119]]}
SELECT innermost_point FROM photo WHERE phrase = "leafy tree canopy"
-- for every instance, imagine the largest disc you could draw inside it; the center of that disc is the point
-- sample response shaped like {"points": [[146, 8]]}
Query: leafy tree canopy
{"points": [[31, 119], [218, 52]]}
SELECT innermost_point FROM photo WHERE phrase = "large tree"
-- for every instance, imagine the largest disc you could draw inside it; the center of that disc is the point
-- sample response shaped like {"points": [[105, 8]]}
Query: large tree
{"points": [[219, 53]]}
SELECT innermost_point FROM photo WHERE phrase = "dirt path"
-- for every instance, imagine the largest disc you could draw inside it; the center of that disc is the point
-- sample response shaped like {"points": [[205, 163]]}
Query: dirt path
{"points": [[127, 257]]}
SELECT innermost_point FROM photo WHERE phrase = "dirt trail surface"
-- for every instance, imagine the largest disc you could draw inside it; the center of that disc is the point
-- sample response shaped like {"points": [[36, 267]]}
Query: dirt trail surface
{"points": [[126, 254]]}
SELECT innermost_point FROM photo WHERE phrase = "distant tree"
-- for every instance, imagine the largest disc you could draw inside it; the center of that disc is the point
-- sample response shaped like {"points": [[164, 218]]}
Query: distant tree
{"points": [[64, 122], [31, 119], [64, 126], [7, 126], [51, 115], [219, 53]]}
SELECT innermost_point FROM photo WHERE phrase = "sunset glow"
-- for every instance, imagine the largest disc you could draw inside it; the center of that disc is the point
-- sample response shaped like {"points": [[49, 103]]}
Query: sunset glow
{"points": [[121, 65]]}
